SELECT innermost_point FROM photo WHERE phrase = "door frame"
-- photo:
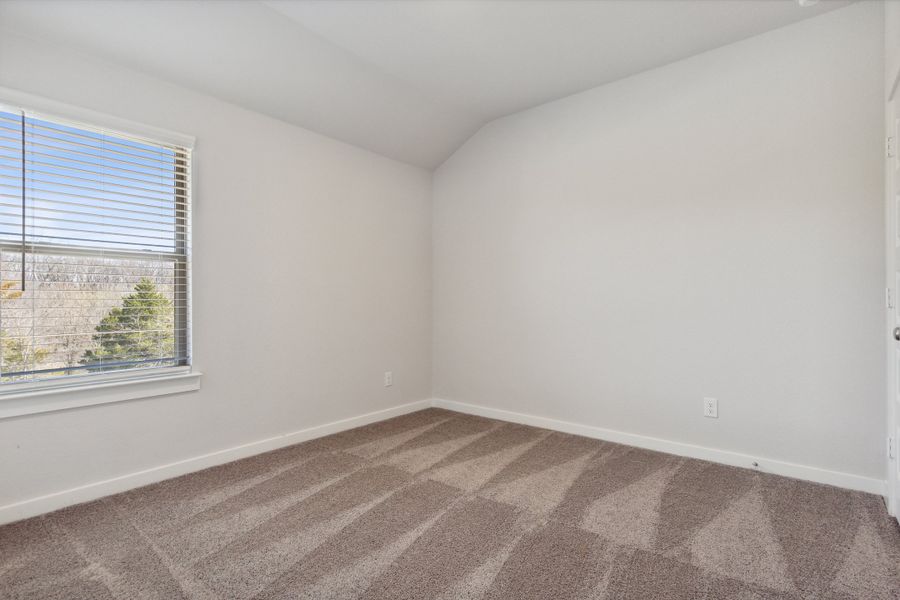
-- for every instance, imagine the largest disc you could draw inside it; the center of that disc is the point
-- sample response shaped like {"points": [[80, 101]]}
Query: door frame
{"points": [[892, 246], [892, 498]]}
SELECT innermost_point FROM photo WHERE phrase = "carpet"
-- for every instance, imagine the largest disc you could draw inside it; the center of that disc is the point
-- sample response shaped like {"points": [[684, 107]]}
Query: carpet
{"points": [[437, 505]]}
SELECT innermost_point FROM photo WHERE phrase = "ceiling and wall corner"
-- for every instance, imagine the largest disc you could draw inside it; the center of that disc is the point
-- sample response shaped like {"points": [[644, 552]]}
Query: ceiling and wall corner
{"points": [[409, 80]]}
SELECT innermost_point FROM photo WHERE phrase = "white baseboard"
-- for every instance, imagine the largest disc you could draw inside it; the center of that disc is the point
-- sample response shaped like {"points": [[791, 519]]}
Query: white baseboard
{"points": [[92, 491], [735, 459]]}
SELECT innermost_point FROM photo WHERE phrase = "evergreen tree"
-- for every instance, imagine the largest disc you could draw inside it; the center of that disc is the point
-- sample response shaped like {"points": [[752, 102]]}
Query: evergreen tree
{"points": [[141, 329]]}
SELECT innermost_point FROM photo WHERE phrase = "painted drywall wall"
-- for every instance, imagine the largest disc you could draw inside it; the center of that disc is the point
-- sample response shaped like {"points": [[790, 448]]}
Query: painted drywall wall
{"points": [[710, 228], [312, 276]]}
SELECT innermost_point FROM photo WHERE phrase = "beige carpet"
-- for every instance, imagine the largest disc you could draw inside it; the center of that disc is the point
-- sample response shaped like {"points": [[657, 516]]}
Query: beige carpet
{"points": [[437, 505]]}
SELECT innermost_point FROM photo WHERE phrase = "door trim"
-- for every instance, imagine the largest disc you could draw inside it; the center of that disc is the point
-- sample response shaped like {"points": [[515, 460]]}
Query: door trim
{"points": [[892, 237]]}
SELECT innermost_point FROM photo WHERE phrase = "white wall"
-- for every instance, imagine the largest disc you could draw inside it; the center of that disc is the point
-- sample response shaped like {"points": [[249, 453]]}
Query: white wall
{"points": [[312, 276], [709, 228]]}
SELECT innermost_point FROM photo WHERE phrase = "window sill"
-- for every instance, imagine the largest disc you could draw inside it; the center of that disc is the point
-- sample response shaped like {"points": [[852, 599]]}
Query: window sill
{"points": [[17, 403]]}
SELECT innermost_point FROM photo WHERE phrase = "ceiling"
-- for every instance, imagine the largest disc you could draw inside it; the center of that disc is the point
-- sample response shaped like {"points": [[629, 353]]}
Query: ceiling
{"points": [[409, 80]]}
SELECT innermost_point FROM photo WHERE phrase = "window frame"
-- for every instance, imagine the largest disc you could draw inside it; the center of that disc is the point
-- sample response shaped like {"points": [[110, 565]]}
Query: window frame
{"points": [[70, 391]]}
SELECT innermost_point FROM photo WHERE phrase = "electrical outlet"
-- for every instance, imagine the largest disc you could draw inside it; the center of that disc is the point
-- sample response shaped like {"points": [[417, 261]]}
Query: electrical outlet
{"points": [[711, 408], [388, 379]]}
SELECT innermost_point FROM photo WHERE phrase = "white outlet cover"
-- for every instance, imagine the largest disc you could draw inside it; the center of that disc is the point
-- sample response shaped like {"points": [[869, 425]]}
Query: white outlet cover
{"points": [[711, 408]]}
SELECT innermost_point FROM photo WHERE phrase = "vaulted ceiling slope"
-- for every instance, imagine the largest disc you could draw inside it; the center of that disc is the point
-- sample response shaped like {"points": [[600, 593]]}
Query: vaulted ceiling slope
{"points": [[409, 80]]}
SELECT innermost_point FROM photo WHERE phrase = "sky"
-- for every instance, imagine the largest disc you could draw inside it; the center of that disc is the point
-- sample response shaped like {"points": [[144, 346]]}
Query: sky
{"points": [[84, 188]]}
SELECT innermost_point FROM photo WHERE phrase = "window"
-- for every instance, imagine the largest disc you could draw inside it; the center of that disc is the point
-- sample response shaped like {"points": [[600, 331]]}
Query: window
{"points": [[94, 251]]}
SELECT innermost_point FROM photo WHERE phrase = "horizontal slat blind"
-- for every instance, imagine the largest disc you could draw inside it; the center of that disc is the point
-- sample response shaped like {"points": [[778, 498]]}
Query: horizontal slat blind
{"points": [[94, 250]]}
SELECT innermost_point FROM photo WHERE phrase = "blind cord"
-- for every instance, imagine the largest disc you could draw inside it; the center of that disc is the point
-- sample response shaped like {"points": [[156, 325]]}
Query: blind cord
{"points": [[23, 201]]}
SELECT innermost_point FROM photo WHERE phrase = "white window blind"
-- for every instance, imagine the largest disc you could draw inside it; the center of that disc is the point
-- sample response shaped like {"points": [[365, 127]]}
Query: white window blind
{"points": [[94, 250]]}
